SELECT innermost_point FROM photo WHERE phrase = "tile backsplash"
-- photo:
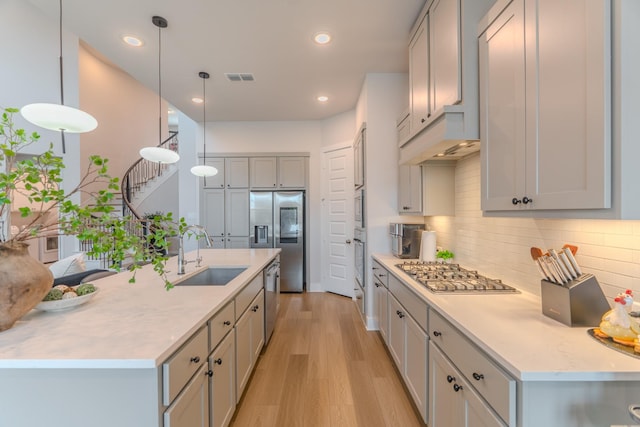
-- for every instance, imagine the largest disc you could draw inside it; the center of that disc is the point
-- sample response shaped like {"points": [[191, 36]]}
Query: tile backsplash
{"points": [[500, 247]]}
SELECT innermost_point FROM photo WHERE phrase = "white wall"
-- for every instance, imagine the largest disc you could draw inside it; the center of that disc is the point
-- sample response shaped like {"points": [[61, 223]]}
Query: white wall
{"points": [[499, 247], [30, 73], [127, 114]]}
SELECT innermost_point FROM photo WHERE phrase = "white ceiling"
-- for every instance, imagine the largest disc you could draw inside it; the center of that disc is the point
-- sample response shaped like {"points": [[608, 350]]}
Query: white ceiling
{"points": [[270, 38]]}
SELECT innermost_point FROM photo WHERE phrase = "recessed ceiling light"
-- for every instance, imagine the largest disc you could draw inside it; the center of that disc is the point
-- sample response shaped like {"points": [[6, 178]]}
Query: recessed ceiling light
{"points": [[323, 98], [132, 41], [322, 38], [197, 100]]}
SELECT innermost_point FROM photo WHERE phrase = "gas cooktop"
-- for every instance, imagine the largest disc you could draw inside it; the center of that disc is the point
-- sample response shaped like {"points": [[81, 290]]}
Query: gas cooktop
{"points": [[451, 278]]}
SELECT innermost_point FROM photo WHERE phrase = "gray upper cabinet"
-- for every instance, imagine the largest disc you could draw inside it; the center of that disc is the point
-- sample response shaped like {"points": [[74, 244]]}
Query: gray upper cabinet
{"points": [[216, 181], [444, 54], [264, 172], [419, 76], [410, 189], [233, 172], [545, 110], [292, 172]]}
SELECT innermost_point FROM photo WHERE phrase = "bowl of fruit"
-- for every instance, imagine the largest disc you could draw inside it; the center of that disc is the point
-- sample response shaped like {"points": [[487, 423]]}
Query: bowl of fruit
{"points": [[63, 297]]}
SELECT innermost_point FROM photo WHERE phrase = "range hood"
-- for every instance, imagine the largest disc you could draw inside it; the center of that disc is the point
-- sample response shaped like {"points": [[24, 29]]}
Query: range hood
{"points": [[450, 135]]}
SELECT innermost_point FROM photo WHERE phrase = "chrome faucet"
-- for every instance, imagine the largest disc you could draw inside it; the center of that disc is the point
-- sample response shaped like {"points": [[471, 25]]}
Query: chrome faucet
{"points": [[198, 229]]}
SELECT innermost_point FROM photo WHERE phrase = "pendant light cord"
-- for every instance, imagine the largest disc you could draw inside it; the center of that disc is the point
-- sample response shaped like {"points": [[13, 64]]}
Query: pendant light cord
{"points": [[159, 85], [64, 145], [204, 120]]}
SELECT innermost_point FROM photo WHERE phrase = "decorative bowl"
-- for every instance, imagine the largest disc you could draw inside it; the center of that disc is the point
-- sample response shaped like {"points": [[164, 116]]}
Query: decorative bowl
{"points": [[65, 304]]}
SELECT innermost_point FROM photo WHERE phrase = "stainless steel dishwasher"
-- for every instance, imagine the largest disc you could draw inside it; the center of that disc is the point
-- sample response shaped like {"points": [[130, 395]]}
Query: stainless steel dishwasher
{"points": [[271, 297]]}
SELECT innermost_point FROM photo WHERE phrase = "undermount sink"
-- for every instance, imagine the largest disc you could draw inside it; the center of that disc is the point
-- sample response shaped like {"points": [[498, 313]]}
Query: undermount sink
{"points": [[213, 276]]}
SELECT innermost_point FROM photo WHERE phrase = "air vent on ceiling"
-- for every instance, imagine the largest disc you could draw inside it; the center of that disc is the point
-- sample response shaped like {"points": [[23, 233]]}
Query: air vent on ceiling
{"points": [[239, 77]]}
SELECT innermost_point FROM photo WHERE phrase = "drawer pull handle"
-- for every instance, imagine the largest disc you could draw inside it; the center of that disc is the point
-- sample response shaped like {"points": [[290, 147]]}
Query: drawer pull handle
{"points": [[457, 388], [218, 361], [437, 334], [209, 373], [450, 379], [195, 359], [477, 376], [226, 323]]}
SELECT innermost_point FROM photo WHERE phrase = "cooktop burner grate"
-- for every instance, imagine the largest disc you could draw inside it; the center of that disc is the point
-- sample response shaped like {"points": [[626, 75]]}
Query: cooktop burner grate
{"points": [[452, 278]]}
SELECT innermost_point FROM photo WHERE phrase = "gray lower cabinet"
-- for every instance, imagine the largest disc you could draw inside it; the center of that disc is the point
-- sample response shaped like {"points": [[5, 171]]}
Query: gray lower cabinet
{"points": [[453, 402], [222, 385], [249, 332], [191, 408]]}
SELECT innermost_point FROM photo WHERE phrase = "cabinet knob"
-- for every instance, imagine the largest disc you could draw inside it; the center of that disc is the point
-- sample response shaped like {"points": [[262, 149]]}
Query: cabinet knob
{"points": [[255, 308], [218, 361], [400, 314], [515, 201], [423, 120], [377, 285], [526, 200], [457, 388], [209, 373], [226, 323], [348, 242], [437, 334], [195, 359], [221, 185], [477, 376], [450, 379]]}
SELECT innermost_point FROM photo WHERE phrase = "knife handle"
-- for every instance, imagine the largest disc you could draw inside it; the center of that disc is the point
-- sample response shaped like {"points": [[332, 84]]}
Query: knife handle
{"points": [[572, 260], [560, 264], [567, 264], [551, 268], [542, 270]]}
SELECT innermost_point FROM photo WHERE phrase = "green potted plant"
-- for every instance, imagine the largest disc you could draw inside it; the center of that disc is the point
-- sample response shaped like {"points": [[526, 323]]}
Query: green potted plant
{"points": [[444, 255], [54, 210]]}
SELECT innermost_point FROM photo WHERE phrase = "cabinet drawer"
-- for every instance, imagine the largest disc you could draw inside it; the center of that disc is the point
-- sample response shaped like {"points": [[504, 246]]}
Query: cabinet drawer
{"points": [[220, 324], [494, 385], [380, 273], [247, 294], [192, 407], [410, 301], [177, 370]]}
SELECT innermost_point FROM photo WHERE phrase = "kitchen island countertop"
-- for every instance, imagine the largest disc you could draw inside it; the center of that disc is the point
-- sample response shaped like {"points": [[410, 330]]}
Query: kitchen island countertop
{"points": [[128, 325], [513, 331]]}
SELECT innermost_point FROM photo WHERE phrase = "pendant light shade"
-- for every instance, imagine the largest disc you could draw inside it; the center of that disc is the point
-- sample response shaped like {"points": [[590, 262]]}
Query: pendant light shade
{"points": [[204, 170], [158, 154], [59, 117]]}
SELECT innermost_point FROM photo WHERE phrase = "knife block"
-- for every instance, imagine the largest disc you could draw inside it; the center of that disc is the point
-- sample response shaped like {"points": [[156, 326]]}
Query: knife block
{"points": [[580, 302]]}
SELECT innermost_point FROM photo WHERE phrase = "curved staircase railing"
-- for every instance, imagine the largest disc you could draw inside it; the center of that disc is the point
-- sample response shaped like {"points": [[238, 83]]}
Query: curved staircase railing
{"points": [[134, 179]]}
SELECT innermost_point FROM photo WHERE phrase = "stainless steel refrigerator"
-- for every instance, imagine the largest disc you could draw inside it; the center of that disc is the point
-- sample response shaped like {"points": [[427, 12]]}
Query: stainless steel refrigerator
{"points": [[277, 221]]}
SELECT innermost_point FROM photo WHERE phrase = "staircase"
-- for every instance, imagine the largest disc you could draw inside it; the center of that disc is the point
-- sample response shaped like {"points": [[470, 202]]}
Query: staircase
{"points": [[135, 181]]}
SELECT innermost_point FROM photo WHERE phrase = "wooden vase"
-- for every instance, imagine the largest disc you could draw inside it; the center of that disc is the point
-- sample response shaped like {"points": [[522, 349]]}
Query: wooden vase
{"points": [[24, 281]]}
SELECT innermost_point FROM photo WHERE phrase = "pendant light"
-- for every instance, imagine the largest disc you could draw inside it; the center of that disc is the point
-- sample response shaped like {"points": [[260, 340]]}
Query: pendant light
{"points": [[59, 116], [204, 170], [159, 154]]}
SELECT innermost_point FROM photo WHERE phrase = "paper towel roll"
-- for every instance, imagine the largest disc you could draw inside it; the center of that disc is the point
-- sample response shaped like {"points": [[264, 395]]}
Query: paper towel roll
{"points": [[428, 246]]}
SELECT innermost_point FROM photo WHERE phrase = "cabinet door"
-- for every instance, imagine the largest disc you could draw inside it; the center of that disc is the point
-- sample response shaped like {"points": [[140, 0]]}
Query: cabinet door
{"points": [[446, 409], [292, 172], [382, 309], [257, 326], [237, 212], [237, 172], [263, 172], [236, 243], [216, 181], [191, 407], [396, 332], [444, 54], [568, 97], [416, 364], [502, 109], [213, 207], [223, 382], [419, 76], [243, 353], [410, 189]]}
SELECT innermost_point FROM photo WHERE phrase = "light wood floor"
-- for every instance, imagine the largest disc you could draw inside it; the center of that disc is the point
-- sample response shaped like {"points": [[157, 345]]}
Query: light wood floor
{"points": [[322, 368]]}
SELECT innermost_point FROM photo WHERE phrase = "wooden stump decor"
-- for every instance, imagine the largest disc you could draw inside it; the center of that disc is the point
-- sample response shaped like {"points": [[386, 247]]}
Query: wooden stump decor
{"points": [[24, 281]]}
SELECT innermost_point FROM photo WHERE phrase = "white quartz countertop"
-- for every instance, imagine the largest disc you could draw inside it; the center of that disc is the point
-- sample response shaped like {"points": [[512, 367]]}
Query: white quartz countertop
{"points": [[513, 331], [128, 325]]}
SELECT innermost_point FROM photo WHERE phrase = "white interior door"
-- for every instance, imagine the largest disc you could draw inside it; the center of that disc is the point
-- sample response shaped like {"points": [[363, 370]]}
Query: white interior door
{"points": [[337, 220]]}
